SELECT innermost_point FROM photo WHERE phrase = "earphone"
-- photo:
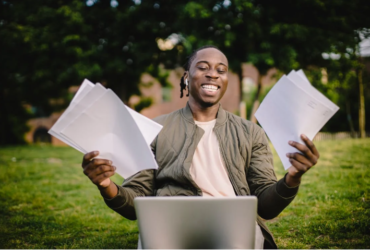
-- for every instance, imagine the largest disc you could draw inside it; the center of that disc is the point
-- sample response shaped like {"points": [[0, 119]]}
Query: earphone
{"points": [[186, 82]]}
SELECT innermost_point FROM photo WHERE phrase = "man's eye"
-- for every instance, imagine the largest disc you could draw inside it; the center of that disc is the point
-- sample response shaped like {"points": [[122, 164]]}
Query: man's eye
{"points": [[202, 68], [221, 71]]}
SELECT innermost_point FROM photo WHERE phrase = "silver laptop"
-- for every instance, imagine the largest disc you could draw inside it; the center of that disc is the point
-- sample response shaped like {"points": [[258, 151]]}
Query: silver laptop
{"points": [[196, 222]]}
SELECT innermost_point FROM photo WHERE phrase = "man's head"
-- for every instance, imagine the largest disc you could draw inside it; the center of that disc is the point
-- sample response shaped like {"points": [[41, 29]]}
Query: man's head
{"points": [[206, 74]]}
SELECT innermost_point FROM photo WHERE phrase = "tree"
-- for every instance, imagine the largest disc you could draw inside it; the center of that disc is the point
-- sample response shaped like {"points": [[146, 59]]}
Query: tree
{"points": [[286, 35], [41, 55], [346, 75], [48, 46]]}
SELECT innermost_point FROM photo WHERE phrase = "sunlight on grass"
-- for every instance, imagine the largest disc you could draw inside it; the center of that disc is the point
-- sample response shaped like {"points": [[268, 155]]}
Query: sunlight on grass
{"points": [[47, 202]]}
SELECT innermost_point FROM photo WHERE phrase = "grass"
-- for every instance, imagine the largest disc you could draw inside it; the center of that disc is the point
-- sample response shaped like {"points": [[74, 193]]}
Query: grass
{"points": [[332, 208], [47, 202]]}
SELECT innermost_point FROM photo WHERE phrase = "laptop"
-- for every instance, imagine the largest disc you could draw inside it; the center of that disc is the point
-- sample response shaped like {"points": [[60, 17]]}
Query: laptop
{"points": [[196, 222]]}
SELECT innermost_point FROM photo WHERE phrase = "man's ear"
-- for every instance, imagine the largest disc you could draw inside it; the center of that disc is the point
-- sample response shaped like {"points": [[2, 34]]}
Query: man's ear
{"points": [[186, 75], [187, 81]]}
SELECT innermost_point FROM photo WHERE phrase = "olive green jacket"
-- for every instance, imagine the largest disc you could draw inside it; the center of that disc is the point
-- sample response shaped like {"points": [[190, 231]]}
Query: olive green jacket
{"points": [[246, 154]]}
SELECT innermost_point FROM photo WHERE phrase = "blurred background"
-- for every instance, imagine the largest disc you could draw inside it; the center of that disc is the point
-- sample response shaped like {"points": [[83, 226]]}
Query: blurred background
{"points": [[138, 48]]}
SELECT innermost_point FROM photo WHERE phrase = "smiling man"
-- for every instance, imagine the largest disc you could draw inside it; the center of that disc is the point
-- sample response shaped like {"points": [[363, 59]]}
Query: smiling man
{"points": [[207, 81], [204, 150]]}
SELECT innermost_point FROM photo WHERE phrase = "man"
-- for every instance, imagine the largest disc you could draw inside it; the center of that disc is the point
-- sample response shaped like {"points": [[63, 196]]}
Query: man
{"points": [[206, 151]]}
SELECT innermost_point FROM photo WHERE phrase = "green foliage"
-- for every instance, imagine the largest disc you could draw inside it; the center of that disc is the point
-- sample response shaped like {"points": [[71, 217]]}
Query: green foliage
{"points": [[144, 103], [47, 202], [196, 10], [160, 74], [273, 34], [41, 48], [48, 46], [67, 41], [248, 99], [285, 35], [342, 86], [14, 114]]}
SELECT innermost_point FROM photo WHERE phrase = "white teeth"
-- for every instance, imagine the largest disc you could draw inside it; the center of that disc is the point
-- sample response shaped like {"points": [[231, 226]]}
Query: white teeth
{"points": [[210, 87]]}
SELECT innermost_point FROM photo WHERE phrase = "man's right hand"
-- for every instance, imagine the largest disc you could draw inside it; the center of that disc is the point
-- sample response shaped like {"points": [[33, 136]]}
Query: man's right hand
{"points": [[99, 172]]}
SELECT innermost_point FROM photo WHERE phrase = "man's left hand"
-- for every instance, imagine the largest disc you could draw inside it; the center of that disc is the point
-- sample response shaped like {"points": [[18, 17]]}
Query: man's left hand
{"points": [[301, 162]]}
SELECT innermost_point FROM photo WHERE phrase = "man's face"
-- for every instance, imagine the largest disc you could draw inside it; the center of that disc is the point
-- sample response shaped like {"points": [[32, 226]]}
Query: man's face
{"points": [[207, 77]]}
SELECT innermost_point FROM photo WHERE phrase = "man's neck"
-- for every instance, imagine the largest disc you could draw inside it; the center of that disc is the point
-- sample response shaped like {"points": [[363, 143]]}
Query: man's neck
{"points": [[203, 114]]}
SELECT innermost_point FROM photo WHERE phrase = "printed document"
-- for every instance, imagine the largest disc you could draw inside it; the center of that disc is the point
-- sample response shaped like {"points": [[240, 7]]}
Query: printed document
{"points": [[291, 108]]}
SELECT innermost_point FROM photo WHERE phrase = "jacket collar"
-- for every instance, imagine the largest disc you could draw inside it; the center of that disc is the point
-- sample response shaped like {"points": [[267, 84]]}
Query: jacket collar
{"points": [[220, 120]]}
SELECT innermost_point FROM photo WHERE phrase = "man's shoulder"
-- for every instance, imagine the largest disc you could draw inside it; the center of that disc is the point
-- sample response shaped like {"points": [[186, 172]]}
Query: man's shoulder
{"points": [[251, 129], [246, 124], [163, 118]]}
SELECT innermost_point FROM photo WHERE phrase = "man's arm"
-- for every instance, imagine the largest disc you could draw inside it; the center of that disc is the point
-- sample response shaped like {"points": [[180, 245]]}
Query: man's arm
{"points": [[99, 172], [274, 196], [118, 198], [140, 184]]}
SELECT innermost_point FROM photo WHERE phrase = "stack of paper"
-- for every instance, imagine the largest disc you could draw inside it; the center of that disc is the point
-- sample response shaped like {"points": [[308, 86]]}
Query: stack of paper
{"points": [[96, 119], [291, 108]]}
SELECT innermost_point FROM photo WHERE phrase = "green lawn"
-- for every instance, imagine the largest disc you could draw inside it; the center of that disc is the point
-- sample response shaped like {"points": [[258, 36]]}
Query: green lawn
{"points": [[47, 202], [332, 208]]}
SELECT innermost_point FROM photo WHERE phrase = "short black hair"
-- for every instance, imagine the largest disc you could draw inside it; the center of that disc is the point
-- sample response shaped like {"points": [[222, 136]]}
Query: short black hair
{"points": [[189, 61]]}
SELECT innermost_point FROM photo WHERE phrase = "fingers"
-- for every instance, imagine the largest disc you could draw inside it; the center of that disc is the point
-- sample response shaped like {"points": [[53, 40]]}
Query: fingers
{"points": [[97, 162], [97, 177], [88, 157], [302, 148], [309, 150], [98, 166], [97, 170], [299, 158], [298, 168], [310, 145], [302, 162]]}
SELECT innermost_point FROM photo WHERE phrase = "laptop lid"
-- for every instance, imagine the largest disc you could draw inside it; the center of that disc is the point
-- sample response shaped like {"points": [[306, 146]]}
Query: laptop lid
{"points": [[196, 222]]}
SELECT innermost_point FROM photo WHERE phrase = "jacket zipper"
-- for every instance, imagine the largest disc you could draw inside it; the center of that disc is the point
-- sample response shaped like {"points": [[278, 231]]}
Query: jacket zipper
{"points": [[231, 176]]}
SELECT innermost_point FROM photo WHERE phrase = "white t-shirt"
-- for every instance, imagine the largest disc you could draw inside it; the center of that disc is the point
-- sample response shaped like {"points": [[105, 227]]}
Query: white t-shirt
{"points": [[207, 168], [209, 172]]}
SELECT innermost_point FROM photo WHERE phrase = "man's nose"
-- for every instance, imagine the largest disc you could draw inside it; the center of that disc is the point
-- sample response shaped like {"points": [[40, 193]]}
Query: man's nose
{"points": [[212, 73]]}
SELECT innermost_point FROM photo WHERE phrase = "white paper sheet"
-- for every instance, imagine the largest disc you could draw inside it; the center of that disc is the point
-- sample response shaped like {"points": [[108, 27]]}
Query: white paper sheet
{"points": [[86, 98], [303, 83], [82, 90], [291, 109], [55, 130], [98, 120], [148, 128], [108, 127], [302, 74]]}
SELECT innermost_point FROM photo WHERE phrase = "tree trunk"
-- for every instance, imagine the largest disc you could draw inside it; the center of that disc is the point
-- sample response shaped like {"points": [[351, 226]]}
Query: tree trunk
{"points": [[361, 113], [349, 119], [256, 102]]}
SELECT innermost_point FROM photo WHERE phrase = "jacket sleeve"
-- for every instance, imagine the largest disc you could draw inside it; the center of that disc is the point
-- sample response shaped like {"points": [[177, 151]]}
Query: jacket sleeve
{"points": [[140, 184], [273, 196]]}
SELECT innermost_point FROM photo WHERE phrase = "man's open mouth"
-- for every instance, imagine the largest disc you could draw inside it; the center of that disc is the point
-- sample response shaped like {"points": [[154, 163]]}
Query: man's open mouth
{"points": [[210, 87]]}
